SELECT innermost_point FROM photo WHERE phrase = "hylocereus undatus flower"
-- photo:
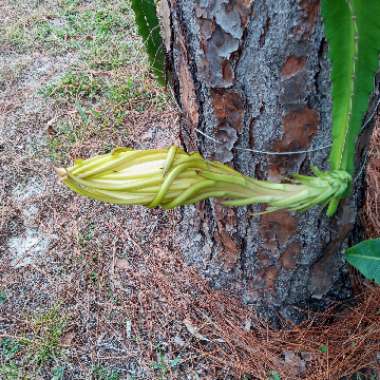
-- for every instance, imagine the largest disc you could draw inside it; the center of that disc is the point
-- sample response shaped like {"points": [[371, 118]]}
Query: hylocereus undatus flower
{"points": [[171, 177]]}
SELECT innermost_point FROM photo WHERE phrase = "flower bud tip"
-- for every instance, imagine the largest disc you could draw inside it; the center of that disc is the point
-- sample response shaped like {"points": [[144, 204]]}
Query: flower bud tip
{"points": [[62, 174]]}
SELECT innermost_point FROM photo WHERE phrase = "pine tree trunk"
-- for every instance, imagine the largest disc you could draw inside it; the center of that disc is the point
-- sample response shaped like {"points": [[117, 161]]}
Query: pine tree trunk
{"points": [[255, 75]]}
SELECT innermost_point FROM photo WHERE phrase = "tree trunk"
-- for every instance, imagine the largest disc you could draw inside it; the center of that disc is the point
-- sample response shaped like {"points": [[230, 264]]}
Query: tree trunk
{"points": [[255, 75]]}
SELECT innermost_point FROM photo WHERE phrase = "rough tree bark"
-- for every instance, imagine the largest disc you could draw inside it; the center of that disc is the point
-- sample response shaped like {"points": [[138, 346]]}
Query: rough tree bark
{"points": [[255, 75]]}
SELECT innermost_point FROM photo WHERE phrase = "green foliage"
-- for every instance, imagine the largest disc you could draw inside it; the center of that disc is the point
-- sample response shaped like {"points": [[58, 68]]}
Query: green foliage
{"points": [[108, 56], [48, 329], [39, 349], [365, 257], [274, 376], [101, 373], [15, 36], [106, 80], [58, 373], [9, 348], [123, 92], [3, 297], [352, 28], [324, 349], [75, 85], [9, 371], [149, 29], [163, 364], [91, 89], [81, 28]]}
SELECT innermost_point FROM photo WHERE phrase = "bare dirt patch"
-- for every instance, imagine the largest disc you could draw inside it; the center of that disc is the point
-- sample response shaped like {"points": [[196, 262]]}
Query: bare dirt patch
{"points": [[65, 94]]}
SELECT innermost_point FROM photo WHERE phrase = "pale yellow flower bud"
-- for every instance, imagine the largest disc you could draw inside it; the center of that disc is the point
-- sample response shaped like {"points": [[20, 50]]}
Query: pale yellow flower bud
{"points": [[171, 177]]}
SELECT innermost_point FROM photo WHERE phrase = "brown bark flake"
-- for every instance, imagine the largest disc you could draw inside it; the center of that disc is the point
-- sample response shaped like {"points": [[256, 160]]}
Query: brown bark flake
{"points": [[187, 91], [222, 25], [265, 258], [292, 66], [289, 257], [276, 228], [227, 137], [228, 108], [226, 222], [229, 255], [271, 275], [299, 128], [311, 9]]}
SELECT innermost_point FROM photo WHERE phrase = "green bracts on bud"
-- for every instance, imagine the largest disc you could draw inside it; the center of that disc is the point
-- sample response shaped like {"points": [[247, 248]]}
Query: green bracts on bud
{"points": [[171, 177]]}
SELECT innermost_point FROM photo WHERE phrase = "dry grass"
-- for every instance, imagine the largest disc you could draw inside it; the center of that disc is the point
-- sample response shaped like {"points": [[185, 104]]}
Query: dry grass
{"points": [[227, 338], [90, 291]]}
